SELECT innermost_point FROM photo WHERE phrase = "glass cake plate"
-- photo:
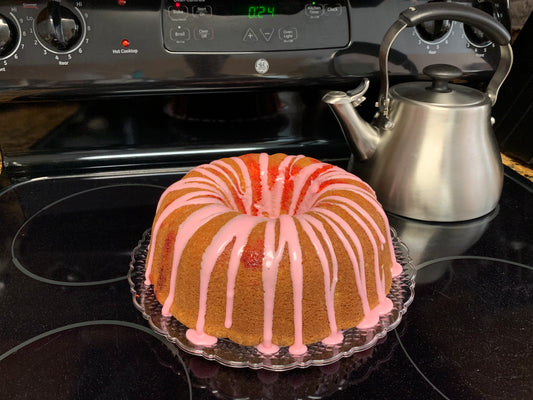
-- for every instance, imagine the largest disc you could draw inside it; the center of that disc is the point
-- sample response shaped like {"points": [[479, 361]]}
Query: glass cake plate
{"points": [[232, 354]]}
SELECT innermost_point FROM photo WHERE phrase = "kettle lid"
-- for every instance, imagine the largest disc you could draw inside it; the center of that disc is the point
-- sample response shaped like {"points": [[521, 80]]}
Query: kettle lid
{"points": [[440, 92]]}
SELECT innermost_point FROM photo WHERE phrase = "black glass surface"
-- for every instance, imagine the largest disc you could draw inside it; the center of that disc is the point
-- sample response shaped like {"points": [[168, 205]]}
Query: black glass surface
{"points": [[83, 238], [96, 360], [74, 332]]}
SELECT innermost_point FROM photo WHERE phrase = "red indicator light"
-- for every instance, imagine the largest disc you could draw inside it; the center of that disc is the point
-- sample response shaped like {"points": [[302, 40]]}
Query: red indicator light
{"points": [[121, 2], [125, 43], [177, 4]]}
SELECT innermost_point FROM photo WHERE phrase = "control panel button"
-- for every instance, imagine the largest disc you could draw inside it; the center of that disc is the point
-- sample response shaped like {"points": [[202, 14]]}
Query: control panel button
{"points": [[314, 10], [274, 26], [204, 33], [202, 11], [250, 36], [267, 33], [180, 35], [333, 10], [179, 13], [288, 35]]}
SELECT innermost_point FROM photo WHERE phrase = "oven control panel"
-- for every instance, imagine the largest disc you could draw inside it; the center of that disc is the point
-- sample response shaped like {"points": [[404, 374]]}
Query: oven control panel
{"points": [[275, 25], [54, 30], [71, 48]]}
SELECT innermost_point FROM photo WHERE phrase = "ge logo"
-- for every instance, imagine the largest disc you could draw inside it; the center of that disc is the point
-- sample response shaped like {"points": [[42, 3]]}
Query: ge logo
{"points": [[262, 66]]}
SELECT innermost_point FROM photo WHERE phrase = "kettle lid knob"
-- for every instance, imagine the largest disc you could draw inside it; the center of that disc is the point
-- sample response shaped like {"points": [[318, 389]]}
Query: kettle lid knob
{"points": [[441, 74]]}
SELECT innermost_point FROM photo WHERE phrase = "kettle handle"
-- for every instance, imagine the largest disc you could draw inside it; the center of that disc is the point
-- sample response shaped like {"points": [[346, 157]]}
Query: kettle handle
{"points": [[413, 16]]}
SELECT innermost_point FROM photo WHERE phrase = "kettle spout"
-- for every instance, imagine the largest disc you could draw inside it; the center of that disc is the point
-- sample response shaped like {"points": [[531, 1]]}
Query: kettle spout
{"points": [[362, 136]]}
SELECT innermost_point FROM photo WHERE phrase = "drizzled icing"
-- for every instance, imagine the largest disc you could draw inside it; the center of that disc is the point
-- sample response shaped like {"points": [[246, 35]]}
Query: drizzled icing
{"points": [[293, 200]]}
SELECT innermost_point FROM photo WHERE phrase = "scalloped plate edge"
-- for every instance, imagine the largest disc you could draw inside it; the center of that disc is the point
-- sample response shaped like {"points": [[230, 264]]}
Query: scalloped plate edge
{"points": [[407, 278]]}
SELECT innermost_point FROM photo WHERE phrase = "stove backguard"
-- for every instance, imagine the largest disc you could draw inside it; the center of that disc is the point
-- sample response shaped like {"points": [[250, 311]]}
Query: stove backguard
{"points": [[68, 48], [122, 85]]}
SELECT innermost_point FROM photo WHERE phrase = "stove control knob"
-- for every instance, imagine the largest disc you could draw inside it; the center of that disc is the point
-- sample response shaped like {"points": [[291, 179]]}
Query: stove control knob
{"points": [[434, 31], [8, 36], [475, 35], [58, 28]]}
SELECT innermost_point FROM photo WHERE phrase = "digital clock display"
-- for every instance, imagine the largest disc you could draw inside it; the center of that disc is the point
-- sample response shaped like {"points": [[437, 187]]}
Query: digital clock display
{"points": [[261, 11], [254, 25]]}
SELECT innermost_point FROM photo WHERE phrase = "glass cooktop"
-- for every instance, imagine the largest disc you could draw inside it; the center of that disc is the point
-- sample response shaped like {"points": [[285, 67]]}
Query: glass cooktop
{"points": [[70, 331]]}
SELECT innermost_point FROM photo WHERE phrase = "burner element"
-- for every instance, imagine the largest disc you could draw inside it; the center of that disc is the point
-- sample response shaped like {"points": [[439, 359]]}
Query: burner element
{"points": [[469, 325], [101, 359], [85, 238]]}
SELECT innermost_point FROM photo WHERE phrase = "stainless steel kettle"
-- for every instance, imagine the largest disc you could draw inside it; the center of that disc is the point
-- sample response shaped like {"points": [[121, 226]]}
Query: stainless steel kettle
{"points": [[430, 152]]}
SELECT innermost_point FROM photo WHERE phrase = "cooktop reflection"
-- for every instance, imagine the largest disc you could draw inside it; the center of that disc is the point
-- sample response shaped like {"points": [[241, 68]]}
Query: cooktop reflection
{"points": [[69, 328], [82, 238]]}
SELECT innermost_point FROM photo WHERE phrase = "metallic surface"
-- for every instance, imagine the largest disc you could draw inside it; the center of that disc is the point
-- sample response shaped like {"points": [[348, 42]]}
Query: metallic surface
{"points": [[431, 169], [439, 162], [343, 106], [431, 154], [452, 11]]}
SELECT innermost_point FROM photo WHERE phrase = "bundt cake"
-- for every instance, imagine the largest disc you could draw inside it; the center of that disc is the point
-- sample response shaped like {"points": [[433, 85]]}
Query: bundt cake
{"points": [[271, 250]]}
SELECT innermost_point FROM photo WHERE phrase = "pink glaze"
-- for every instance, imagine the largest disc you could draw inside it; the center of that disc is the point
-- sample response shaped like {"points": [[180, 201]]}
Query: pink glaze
{"points": [[239, 228], [265, 206], [329, 284], [200, 338], [289, 235], [166, 212], [397, 269], [267, 349], [334, 338], [271, 262], [244, 225], [371, 319], [357, 260], [246, 194], [185, 232], [221, 188], [299, 181]]}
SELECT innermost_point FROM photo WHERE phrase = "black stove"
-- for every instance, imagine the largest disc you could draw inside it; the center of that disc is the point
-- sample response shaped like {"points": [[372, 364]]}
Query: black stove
{"points": [[70, 330], [148, 101]]}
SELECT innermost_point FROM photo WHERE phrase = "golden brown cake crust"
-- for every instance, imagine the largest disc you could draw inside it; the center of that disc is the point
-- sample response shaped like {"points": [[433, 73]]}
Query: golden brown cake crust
{"points": [[334, 216]]}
